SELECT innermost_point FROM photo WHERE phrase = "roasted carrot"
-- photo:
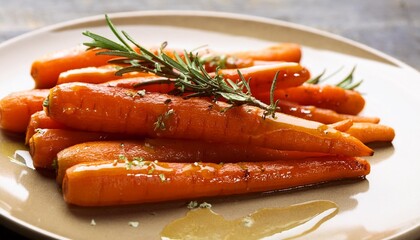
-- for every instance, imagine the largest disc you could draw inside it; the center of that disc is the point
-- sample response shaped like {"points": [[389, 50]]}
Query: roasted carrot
{"points": [[323, 96], [342, 126], [212, 61], [92, 107], [261, 77], [46, 143], [40, 120], [96, 75], [17, 108], [369, 132], [112, 183], [140, 83], [322, 115], [168, 150], [45, 70], [287, 52]]}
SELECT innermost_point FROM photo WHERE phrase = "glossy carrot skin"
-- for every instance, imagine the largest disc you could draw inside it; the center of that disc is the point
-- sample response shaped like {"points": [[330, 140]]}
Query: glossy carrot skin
{"points": [[168, 150], [46, 69], [368, 132], [108, 109], [322, 115], [40, 120], [46, 143], [287, 52], [17, 108], [96, 75], [136, 83], [261, 77], [323, 96], [109, 183]]}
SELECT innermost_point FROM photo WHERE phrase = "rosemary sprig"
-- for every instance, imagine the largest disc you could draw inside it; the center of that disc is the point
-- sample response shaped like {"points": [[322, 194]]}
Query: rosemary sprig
{"points": [[188, 74], [347, 83]]}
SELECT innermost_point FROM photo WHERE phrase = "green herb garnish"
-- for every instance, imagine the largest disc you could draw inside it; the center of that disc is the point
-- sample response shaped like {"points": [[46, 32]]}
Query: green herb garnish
{"points": [[188, 75]]}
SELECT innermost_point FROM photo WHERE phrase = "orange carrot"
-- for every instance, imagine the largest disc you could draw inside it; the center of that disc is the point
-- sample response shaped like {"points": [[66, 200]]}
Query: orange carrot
{"points": [[45, 70], [96, 75], [92, 107], [137, 83], [42, 121], [17, 108], [113, 183], [261, 77], [46, 143], [342, 126], [369, 132], [323, 96], [322, 115], [168, 150], [287, 52]]}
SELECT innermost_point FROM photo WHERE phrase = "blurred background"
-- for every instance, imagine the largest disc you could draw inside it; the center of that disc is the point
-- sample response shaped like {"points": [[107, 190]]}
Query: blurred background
{"points": [[391, 26]]}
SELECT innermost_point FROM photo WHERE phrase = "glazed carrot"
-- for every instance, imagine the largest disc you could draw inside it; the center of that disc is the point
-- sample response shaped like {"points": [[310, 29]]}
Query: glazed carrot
{"points": [[46, 143], [45, 70], [261, 77], [213, 60], [96, 75], [112, 183], [287, 52], [322, 115], [17, 108], [42, 121], [168, 150], [323, 96], [136, 83], [92, 107], [342, 126], [369, 132]]}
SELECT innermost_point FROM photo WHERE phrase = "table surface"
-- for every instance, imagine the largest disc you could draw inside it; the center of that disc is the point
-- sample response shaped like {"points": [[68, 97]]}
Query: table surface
{"points": [[390, 26]]}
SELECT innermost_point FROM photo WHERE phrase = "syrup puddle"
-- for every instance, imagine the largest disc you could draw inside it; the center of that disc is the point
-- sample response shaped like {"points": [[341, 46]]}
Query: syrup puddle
{"points": [[266, 223]]}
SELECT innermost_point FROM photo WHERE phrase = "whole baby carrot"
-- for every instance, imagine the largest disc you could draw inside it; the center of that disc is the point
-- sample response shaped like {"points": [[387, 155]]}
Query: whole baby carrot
{"points": [[17, 108], [287, 52], [96, 75], [40, 120], [113, 183], [318, 114], [46, 143], [323, 96], [168, 150], [46, 69], [288, 75], [92, 107], [369, 132]]}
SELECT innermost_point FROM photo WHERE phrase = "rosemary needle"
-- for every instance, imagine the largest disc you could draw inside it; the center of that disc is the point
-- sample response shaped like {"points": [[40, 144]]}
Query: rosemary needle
{"points": [[187, 74]]}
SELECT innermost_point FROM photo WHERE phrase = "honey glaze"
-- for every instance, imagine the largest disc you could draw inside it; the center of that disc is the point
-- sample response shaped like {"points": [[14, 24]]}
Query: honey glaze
{"points": [[269, 223]]}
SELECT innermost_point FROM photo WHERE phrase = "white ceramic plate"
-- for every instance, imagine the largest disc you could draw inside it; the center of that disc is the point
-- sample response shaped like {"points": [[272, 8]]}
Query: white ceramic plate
{"points": [[386, 205]]}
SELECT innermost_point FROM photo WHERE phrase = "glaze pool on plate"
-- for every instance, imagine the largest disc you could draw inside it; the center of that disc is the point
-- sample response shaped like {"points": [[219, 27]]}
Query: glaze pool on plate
{"points": [[384, 205]]}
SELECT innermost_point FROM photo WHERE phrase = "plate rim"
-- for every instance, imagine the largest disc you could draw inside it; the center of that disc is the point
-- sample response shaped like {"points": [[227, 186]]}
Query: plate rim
{"points": [[32, 231]]}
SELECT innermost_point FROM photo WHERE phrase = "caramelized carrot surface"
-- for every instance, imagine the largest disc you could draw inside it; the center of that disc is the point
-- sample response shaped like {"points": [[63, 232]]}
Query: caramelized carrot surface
{"points": [[40, 120], [111, 183], [323, 96], [46, 69], [261, 77], [322, 115], [169, 150], [46, 143], [368, 132], [287, 52], [16, 108], [99, 108], [96, 75]]}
